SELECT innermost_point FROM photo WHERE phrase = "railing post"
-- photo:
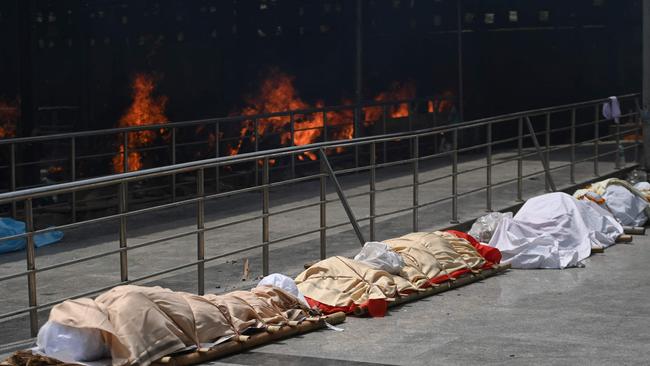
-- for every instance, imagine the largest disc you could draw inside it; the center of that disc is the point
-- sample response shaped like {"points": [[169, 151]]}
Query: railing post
{"points": [[125, 138], [596, 137], [520, 160], [265, 216], [256, 136], [325, 130], [638, 134], [409, 108], [31, 267], [548, 148], [173, 162], [356, 126], [572, 168], [200, 225], [620, 153], [14, 210], [383, 131], [454, 178], [217, 142], [488, 167], [292, 125], [73, 177], [416, 181], [323, 210], [373, 181], [123, 207]]}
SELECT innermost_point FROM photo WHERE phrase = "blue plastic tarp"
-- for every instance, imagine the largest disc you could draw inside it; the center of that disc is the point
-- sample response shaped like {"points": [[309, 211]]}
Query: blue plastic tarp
{"points": [[11, 227]]}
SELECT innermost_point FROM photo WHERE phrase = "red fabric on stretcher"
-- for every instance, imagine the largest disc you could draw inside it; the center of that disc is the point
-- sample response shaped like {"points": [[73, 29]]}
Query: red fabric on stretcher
{"points": [[376, 308], [491, 254]]}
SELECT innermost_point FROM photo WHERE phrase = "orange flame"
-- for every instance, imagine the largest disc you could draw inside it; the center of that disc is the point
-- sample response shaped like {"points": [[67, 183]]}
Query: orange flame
{"points": [[397, 91], [278, 94], [145, 109], [9, 116]]}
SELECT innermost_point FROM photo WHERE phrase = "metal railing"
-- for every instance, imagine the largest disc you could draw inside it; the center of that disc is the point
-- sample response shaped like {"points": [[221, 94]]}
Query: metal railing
{"points": [[504, 132], [216, 137]]}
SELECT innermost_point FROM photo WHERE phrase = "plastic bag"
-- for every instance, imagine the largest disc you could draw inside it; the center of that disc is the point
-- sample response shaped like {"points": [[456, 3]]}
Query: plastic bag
{"points": [[71, 344], [642, 186], [379, 256], [285, 283], [484, 226], [11, 227], [637, 176]]}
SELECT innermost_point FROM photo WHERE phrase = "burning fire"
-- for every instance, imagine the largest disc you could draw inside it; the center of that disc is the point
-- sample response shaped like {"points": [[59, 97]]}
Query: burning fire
{"points": [[145, 109], [9, 116], [445, 104], [397, 91], [278, 94]]}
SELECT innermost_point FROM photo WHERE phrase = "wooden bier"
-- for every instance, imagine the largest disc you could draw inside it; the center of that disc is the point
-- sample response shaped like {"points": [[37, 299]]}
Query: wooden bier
{"points": [[597, 250], [463, 280], [624, 238], [239, 345]]}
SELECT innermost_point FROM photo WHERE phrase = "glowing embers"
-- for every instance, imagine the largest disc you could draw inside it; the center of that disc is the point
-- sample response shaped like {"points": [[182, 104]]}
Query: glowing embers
{"points": [[146, 109]]}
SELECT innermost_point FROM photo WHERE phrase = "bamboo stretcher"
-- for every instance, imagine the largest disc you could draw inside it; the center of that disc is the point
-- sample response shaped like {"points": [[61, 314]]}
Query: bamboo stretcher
{"points": [[621, 239], [243, 343], [463, 280]]}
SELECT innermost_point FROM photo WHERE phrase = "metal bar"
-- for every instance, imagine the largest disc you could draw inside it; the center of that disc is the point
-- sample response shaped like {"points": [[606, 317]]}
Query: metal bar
{"points": [[31, 266], [265, 218], [372, 189], [325, 130], [73, 177], [344, 200], [488, 167], [256, 135], [293, 139], [173, 162], [323, 211], [416, 172], [520, 159], [383, 131], [13, 179], [454, 178], [541, 154], [596, 132], [200, 225], [638, 130], [572, 169], [356, 128], [125, 142], [217, 140], [547, 150], [124, 266], [620, 153]]}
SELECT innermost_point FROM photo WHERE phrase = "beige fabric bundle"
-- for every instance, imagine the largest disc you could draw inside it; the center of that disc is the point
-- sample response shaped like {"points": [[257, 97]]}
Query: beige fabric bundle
{"points": [[435, 257], [142, 324], [340, 282]]}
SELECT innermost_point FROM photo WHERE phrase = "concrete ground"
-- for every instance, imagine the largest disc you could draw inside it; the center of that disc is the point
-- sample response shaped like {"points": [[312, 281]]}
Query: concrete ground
{"points": [[289, 256]]}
